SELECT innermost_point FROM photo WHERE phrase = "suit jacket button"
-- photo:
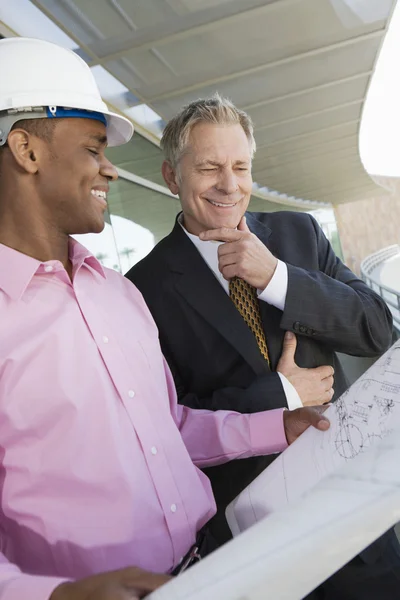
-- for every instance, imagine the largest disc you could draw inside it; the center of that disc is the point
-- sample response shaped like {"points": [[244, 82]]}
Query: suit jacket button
{"points": [[303, 329], [296, 326]]}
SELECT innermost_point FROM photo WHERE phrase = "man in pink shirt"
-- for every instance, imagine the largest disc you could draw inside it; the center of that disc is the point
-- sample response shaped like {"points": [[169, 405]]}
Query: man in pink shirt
{"points": [[99, 470]]}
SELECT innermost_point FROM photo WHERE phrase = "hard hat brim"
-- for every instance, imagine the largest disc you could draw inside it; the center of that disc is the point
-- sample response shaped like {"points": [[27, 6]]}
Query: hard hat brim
{"points": [[119, 129]]}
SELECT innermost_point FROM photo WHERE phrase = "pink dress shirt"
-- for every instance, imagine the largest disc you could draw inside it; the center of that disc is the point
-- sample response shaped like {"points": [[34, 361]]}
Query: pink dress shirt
{"points": [[96, 456]]}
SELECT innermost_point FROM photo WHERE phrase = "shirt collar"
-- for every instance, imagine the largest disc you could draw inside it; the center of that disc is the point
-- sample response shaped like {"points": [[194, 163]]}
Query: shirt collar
{"points": [[18, 269], [78, 255], [201, 245]]}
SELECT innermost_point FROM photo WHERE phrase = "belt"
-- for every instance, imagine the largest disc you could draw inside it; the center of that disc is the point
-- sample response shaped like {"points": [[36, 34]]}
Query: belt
{"points": [[204, 545]]}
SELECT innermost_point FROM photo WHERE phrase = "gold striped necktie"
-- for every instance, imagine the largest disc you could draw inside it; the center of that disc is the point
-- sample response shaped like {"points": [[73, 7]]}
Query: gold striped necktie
{"points": [[244, 297]]}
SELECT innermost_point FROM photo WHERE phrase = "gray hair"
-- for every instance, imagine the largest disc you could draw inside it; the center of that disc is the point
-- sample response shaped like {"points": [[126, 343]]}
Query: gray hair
{"points": [[217, 110]]}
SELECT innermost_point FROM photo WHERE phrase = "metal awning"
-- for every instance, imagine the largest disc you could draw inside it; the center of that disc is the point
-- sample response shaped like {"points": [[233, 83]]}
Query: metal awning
{"points": [[300, 68]]}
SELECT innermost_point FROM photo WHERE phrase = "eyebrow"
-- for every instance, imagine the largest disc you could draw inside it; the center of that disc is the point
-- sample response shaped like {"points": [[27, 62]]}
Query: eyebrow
{"points": [[215, 163], [98, 137]]}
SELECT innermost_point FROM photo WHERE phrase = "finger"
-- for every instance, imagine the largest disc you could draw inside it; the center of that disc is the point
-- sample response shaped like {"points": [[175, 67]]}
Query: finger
{"points": [[135, 579], [243, 224], [226, 260], [112, 591], [221, 235], [227, 248], [315, 418], [327, 396], [324, 371], [321, 409], [230, 271], [289, 348], [328, 383], [323, 424], [297, 421]]}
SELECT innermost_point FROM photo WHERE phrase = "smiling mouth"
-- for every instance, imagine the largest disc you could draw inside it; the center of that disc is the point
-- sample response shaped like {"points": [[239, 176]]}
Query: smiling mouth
{"points": [[100, 195], [220, 204]]}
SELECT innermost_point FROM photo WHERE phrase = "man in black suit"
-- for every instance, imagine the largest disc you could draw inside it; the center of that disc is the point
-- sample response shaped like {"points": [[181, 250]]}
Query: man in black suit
{"points": [[252, 307]]}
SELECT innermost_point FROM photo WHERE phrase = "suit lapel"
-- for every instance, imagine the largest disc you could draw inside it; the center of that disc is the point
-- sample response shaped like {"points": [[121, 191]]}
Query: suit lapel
{"points": [[263, 232], [196, 283]]}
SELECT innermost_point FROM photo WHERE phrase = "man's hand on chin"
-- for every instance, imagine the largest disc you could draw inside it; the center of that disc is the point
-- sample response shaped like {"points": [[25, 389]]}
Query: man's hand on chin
{"points": [[297, 421], [243, 255]]}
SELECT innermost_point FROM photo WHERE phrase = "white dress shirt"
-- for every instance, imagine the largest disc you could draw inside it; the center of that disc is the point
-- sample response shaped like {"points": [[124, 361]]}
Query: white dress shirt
{"points": [[274, 294]]}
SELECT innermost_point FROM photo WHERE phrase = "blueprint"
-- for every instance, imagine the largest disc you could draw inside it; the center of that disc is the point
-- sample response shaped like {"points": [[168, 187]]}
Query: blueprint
{"points": [[360, 418], [292, 551]]}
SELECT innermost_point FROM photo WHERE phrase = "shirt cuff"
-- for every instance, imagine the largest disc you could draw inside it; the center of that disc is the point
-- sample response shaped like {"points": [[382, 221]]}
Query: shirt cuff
{"points": [[292, 397], [267, 432], [276, 290]]}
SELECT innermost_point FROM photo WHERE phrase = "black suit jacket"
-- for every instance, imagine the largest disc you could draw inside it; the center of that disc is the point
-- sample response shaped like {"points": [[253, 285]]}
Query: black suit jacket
{"points": [[212, 353]]}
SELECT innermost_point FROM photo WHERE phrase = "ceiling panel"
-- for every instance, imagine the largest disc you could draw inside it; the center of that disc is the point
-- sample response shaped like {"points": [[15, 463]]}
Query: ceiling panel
{"points": [[303, 103], [325, 151], [309, 140], [306, 124]]}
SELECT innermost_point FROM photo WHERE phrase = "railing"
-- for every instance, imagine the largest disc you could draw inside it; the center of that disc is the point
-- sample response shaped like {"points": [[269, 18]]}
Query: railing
{"points": [[391, 296]]}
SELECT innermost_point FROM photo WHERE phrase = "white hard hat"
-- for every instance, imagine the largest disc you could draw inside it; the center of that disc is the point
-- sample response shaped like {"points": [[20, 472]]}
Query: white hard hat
{"points": [[40, 79]]}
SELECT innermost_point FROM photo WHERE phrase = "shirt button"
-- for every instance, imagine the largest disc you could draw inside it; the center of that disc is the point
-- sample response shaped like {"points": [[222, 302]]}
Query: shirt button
{"points": [[173, 508], [131, 394], [105, 339], [48, 269], [154, 450]]}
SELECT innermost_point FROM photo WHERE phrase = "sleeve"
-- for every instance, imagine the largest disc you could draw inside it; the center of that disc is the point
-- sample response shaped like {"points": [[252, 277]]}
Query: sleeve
{"points": [[266, 392], [334, 307], [216, 437], [292, 397], [15, 585], [276, 290]]}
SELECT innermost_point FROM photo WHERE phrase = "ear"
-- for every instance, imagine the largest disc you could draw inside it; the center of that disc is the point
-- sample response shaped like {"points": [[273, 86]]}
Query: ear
{"points": [[25, 149], [170, 177]]}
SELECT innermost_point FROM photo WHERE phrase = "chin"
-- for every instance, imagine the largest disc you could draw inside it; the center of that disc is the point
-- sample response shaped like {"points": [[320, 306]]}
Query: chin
{"points": [[98, 228], [94, 227], [230, 223]]}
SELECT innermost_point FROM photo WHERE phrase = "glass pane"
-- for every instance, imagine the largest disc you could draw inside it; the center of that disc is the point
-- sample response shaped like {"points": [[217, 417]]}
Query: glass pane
{"points": [[326, 219], [140, 218], [102, 246], [139, 156]]}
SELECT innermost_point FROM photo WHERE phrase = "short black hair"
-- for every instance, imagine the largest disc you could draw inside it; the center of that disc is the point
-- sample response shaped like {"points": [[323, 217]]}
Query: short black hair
{"points": [[41, 128]]}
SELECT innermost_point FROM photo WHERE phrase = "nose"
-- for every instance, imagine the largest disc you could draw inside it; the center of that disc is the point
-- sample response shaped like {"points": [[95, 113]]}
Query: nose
{"points": [[108, 170], [227, 182]]}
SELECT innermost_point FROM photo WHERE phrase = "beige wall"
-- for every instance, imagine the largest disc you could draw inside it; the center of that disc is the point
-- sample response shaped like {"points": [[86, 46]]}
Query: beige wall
{"points": [[367, 226]]}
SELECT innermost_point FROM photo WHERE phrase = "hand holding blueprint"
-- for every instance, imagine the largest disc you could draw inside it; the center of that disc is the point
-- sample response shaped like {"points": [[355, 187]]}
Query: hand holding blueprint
{"points": [[360, 418]]}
